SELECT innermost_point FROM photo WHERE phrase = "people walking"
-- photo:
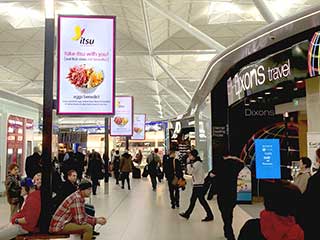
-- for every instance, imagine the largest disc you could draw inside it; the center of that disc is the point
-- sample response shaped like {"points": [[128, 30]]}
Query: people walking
{"points": [[153, 161], [195, 168], [95, 172], [173, 171], [116, 165], [125, 168], [227, 171], [79, 156]]}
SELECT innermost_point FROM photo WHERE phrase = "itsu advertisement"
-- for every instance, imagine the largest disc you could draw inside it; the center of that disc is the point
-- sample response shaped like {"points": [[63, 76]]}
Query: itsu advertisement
{"points": [[139, 127], [86, 65], [122, 122]]}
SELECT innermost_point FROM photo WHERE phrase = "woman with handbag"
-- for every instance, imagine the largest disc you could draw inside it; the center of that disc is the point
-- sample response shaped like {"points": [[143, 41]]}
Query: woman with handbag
{"points": [[196, 170], [13, 189], [173, 172]]}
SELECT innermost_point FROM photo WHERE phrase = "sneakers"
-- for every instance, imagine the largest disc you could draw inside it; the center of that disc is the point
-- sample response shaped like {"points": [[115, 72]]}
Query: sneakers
{"points": [[184, 215], [207, 219]]}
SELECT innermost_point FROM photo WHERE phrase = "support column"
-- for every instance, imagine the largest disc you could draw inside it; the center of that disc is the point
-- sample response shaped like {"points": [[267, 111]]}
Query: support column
{"points": [[313, 114], [46, 188], [106, 155], [127, 142]]}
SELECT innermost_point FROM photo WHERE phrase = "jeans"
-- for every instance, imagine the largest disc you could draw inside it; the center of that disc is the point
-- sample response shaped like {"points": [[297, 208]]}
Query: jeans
{"points": [[174, 193], [125, 176], [226, 208], [198, 193], [85, 229], [10, 231]]}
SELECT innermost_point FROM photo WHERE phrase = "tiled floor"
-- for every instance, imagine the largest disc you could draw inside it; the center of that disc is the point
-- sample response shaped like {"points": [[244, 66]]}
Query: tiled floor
{"points": [[141, 214]]}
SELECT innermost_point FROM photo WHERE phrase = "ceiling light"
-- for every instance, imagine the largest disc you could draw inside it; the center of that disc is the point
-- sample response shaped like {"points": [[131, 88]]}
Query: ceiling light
{"points": [[267, 93], [260, 97], [300, 81], [279, 88], [253, 100], [247, 104], [295, 89]]}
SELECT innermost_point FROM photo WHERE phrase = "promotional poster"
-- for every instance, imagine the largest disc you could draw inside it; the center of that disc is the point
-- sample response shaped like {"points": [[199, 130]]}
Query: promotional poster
{"points": [[86, 65], [122, 122], [139, 127]]}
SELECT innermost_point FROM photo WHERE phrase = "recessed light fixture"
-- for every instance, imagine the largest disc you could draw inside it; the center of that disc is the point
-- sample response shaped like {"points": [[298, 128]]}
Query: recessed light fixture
{"points": [[300, 81], [279, 88], [267, 93], [247, 104], [295, 89], [252, 100], [260, 97]]}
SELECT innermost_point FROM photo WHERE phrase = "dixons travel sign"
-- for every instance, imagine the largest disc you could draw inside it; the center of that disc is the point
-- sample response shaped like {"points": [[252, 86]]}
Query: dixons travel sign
{"points": [[287, 65]]}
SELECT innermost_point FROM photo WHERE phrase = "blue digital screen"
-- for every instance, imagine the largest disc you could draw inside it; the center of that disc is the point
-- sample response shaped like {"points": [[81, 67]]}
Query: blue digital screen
{"points": [[267, 158]]}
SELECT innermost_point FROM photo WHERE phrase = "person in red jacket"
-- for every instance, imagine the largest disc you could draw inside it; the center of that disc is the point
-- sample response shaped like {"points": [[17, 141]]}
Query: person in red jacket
{"points": [[27, 219]]}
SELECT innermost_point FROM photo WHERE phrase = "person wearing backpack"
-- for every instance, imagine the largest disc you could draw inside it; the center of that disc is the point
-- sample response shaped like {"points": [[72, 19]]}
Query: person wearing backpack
{"points": [[153, 161], [116, 165]]}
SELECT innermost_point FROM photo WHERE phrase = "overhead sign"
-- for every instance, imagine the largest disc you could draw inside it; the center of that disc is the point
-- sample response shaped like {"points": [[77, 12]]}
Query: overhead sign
{"points": [[122, 122], [267, 158], [139, 127], [289, 64], [86, 65]]}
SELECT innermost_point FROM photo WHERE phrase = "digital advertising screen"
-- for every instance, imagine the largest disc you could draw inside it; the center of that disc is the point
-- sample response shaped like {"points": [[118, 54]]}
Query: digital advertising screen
{"points": [[267, 158], [122, 122], [86, 65], [139, 121]]}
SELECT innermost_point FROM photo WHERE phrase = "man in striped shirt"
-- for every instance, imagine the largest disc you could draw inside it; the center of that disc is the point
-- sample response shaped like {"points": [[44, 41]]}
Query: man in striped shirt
{"points": [[70, 217]]}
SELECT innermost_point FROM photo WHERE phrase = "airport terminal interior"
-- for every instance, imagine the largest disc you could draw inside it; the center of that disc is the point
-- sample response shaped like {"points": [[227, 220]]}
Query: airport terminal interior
{"points": [[109, 109]]}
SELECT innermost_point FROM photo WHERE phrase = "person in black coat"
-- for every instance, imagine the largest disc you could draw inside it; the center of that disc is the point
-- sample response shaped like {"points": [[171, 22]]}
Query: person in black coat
{"points": [[79, 156], [33, 163], [95, 167], [309, 204], [172, 168], [227, 171]]}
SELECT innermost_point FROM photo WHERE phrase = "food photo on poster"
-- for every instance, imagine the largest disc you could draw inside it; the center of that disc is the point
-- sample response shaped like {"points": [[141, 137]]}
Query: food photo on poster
{"points": [[122, 122], [139, 127], [86, 65]]}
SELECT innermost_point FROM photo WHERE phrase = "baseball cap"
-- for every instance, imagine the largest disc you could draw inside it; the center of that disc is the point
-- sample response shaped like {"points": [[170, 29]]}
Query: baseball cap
{"points": [[85, 184], [27, 182]]}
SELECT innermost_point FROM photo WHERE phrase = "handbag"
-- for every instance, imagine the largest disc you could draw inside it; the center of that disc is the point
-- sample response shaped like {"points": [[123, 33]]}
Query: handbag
{"points": [[181, 183], [145, 171]]}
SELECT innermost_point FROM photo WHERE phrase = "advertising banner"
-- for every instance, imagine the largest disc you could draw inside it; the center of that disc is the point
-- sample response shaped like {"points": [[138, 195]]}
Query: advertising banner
{"points": [[86, 65], [139, 127], [244, 186], [122, 122], [267, 158]]}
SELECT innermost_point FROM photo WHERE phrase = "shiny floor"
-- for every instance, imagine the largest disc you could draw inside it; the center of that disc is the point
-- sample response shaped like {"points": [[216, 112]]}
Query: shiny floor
{"points": [[142, 214]]}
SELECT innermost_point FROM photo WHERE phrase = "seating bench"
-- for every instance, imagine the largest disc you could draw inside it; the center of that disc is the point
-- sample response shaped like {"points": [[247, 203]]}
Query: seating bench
{"points": [[36, 236]]}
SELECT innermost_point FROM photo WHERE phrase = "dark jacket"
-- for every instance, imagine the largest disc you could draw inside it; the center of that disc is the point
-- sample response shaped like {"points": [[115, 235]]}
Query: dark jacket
{"points": [[251, 230], [33, 164], [309, 209], [227, 171], [168, 168], [79, 156], [67, 188], [95, 166], [13, 189], [126, 163]]}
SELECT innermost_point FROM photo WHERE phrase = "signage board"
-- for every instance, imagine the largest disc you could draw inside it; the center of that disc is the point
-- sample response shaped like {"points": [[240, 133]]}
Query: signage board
{"points": [[139, 121], [267, 158], [86, 65], [122, 122]]}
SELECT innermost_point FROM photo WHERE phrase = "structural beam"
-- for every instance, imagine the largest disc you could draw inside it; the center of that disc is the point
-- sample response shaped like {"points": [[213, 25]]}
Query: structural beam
{"points": [[265, 11], [172, 109], [186, 26], [172, 77], [180, 100]]}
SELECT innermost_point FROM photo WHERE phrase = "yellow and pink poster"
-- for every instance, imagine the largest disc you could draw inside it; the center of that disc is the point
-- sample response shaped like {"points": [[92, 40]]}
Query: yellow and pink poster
{"points": [[122, 122], [86, 65], [139, 121]]}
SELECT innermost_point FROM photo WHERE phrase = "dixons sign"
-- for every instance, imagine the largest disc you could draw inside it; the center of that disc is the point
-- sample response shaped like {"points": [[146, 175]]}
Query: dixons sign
{"points": [[268, 72]]}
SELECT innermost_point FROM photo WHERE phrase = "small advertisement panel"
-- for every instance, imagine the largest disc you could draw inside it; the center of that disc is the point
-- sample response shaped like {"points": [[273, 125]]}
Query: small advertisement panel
{"points": [[139, 127], [267, 158], [122, 122], [86, 65], [244, 186]]}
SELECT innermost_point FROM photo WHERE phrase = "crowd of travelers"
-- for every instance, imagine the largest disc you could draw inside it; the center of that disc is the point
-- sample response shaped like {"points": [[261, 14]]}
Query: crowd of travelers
{"points": [[289, 206]]}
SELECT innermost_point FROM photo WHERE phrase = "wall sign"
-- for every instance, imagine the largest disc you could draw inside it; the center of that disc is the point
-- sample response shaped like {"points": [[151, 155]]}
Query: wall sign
{"points": [[139, 121], [267, 158], [86, 65], [289, 64], [122, 122]]}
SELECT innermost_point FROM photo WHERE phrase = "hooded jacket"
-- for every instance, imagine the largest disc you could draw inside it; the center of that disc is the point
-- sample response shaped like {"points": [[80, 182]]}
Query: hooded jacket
{"points": [[275, 227]]}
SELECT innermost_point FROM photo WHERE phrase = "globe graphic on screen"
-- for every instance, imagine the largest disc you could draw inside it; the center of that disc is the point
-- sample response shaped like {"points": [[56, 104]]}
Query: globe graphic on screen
{"points": [[314, 55], [275, 131]]}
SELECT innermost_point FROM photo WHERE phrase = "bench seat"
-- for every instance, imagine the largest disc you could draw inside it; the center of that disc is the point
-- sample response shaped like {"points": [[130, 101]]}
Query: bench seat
{"points": [[36, 236]]}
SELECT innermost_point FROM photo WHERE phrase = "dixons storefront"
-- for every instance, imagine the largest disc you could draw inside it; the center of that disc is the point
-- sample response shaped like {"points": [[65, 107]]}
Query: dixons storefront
{"points": [[265, 105]]}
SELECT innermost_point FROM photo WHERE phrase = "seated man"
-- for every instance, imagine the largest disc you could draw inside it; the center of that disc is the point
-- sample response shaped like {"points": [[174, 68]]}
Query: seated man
{"points": [[26, 220], [70, 217]]}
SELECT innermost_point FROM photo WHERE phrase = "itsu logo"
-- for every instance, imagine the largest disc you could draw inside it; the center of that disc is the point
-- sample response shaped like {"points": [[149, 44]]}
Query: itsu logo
{"points": [[78, 35]]}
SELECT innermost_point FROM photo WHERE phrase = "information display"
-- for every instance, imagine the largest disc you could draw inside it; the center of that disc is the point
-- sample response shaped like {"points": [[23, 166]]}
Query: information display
{"points": [[122, 122], [139, 127], [267, 158], [86, 65]]}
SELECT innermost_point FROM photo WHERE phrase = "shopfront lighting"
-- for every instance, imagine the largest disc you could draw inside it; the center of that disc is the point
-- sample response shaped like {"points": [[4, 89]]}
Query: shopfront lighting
{"points": [[267, 93], [295, 89], [253, 100], [279, 88], [260, 97], [300, 81], [247, 104], [49, 8]]}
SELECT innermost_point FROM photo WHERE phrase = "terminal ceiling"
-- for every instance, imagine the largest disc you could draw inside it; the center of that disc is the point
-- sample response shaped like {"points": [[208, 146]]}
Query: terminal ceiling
{"points": [[163, 46]]}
